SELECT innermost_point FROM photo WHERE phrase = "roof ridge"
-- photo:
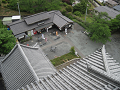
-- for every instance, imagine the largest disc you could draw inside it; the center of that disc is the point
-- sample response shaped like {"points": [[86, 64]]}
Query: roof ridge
{"points": [[20, 21], [105, 59], [35, 14], [27, 61], [31, 47]]}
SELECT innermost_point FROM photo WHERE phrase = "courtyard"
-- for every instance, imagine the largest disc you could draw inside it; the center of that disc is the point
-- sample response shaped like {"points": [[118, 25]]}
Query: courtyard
{"points": [[75, 37]]}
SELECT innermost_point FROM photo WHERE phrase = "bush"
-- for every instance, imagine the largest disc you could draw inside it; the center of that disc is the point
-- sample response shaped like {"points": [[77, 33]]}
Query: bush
{"points": [[69, 15], [65, 4], [69, 8], [0, 3], [77, 13], [64, 12], [72, 50], [30, 38], [67, 1], [3, 1]]}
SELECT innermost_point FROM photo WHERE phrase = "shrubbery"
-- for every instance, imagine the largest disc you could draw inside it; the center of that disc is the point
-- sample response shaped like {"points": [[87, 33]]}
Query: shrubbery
{"points": [[3, 1], [64, 11], [69, 8], [65, 4], [72, 50], [77, 13]]}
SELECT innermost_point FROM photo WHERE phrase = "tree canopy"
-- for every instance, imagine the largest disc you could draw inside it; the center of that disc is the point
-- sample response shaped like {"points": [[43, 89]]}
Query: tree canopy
{"points": [[99, 29], [81, 7], [99, 32], [34, 6], [7, 40], [115, 23]]}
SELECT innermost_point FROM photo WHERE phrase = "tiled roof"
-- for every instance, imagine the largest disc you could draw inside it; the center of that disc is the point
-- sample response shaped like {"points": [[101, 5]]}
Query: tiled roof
{"points": [[36, 17], [24, 65], [112, 2], [90, 73], [31, 22], [117, 7], [111, 12]]}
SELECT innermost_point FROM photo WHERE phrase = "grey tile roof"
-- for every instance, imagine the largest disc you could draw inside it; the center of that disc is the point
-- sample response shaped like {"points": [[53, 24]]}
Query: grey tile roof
{"points": [[117, 7], [1, 58], [40, 63], [89, 73], [24, 65], [36, 17], [112, 2], [60, 22], [31, 22], [111, 12]]}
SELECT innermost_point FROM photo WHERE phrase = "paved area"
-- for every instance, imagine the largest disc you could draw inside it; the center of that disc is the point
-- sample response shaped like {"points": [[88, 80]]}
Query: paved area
{"points": [[75, 37]]}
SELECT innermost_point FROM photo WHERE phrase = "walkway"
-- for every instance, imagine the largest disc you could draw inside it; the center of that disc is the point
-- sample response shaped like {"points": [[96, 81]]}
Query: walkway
{"points": [[82, 43]]}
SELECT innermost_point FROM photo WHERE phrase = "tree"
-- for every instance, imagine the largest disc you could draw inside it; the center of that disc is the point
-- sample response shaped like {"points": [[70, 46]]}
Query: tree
{"points": [[81, 7], [69, 8], [99, 29], [99, 32], [115, 23], [34, 6], [7, 41]]}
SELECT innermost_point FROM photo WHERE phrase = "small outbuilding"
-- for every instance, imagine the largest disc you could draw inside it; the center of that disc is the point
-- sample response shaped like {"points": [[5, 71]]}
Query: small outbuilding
{"points": [[15, 18], [7, 20]]}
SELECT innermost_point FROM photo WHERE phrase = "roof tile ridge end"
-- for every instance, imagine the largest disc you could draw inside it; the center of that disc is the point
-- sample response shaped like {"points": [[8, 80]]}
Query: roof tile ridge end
{"points": [[105, 59], [27, 61], [31, 47], [10, 53]]}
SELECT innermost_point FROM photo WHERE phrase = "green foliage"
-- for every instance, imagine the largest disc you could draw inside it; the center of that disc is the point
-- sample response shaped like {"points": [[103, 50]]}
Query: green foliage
{"points": [[72, 50], [77, 13], [102, 17], [69, 15], [99, 32], [115, 23], [69, 8], [80, 23], [3, 1], [64, 11], [99, 29], [80, 7], [62, 59], [65, 4], [0, 3], [7, 41], [34, 6]]}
